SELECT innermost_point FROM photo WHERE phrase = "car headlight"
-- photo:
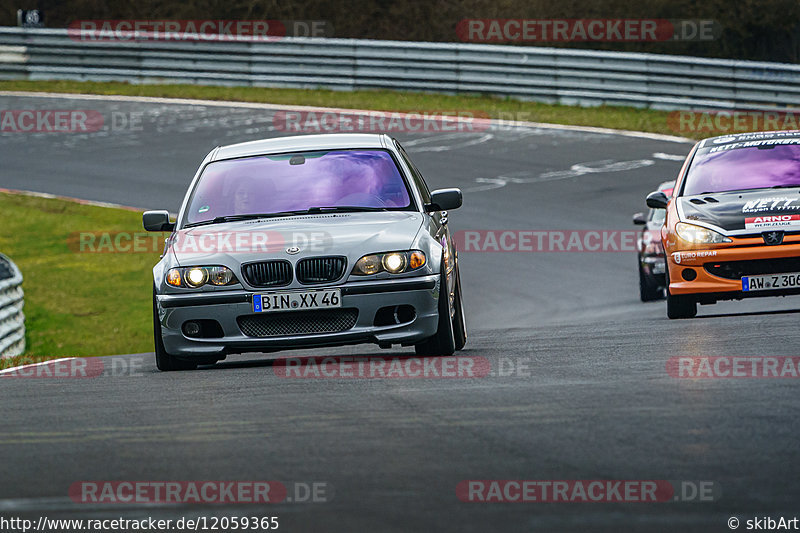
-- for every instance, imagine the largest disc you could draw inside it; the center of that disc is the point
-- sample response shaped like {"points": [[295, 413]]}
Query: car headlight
{"points": [[392, 262], [699, 235], [195, 277]]}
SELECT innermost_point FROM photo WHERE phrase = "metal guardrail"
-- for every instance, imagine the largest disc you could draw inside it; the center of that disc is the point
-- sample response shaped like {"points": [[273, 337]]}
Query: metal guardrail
{"points": [[12, 320], [553, 75]]}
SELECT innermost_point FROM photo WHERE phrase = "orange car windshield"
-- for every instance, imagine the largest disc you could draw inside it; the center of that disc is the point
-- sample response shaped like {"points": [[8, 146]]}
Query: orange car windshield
{"points": [[757, 167]]}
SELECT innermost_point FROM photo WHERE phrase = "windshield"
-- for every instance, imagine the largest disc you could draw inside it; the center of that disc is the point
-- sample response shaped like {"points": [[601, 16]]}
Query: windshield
{"points": [[298, 182], [658, 215], [720, 170]]}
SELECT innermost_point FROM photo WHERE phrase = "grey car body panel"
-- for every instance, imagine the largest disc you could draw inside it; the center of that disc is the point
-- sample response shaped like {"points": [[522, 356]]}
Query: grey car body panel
{"points": [[351, 235]]}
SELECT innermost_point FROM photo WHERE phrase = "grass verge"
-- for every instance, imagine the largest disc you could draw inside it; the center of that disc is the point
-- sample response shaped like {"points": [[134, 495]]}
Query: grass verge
{"points": [[77, 304], [624, 118]]}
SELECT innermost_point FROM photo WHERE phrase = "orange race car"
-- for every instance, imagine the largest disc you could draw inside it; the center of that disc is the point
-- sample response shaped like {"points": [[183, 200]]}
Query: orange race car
{"points": [[732, 227]]}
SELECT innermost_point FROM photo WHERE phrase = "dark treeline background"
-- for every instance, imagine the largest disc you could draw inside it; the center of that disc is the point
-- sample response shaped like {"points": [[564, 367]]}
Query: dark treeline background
{"points": [[767, 30]]}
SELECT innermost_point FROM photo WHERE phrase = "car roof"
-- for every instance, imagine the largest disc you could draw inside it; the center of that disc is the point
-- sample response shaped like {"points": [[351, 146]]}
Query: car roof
{"points": [[301, 143]]}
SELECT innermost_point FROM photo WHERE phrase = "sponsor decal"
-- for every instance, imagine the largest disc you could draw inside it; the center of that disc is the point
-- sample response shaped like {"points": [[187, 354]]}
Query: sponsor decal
{"points": [[754, 144], [771, 204], [751, 136], [680, 257], [772, 221]]}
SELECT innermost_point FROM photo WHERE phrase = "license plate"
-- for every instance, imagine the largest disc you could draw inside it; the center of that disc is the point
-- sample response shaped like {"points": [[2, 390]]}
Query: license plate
{"points": [[297, 300], [770, 282]]}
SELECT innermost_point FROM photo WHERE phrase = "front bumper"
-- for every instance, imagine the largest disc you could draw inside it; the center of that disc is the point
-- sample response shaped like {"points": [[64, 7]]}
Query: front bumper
{"points": [[709, 287], [367, 297]]}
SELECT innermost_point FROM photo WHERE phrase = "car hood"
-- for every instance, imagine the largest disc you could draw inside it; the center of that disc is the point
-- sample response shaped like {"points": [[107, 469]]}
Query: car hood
{"points": [[759, 210], [348, 234]]}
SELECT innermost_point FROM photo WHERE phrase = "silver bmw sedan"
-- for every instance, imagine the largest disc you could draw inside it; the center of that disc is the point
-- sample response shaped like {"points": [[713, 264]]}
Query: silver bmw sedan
{"points": [[320, 240]]}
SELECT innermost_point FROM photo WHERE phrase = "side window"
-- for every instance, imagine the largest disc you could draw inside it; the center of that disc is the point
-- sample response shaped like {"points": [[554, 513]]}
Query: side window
{"points": [[419, 181]]}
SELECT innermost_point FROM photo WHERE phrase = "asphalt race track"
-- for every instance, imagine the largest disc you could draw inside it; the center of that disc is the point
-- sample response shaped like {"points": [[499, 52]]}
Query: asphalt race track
{"points": [[578, 389]]}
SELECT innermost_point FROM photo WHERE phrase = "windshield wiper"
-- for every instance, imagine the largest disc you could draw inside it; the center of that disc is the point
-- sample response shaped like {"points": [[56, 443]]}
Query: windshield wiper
{"points": [[343, 208], [309, 211], [251, 216], [746, 190]]}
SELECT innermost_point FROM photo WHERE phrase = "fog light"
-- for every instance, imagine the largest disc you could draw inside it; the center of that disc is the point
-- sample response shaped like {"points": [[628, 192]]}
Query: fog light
{"points": [[192, 329], [689, 274], [404, 313]]}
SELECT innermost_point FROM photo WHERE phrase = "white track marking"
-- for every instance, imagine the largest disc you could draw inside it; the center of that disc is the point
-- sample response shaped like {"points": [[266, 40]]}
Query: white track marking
{"points": [[502, 123], [578, 169], [421, 144], [69, 198], [669, 157], [60, 503], [31, 365]]}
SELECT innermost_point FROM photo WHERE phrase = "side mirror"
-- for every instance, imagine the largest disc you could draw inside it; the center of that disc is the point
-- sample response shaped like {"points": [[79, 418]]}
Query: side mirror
{"points": [[157, 221], [657, 200], [639, 219], [444, 200]]}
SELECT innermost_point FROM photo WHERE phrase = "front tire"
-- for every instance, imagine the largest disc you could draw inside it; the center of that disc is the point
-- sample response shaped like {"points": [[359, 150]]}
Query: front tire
{"points": [[459, 322], [164, 361], [444, 342], [680, 306]]}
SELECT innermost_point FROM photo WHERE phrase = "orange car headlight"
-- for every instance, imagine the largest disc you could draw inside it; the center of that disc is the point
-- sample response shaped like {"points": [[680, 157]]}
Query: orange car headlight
{"points": [[699, 235]]}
